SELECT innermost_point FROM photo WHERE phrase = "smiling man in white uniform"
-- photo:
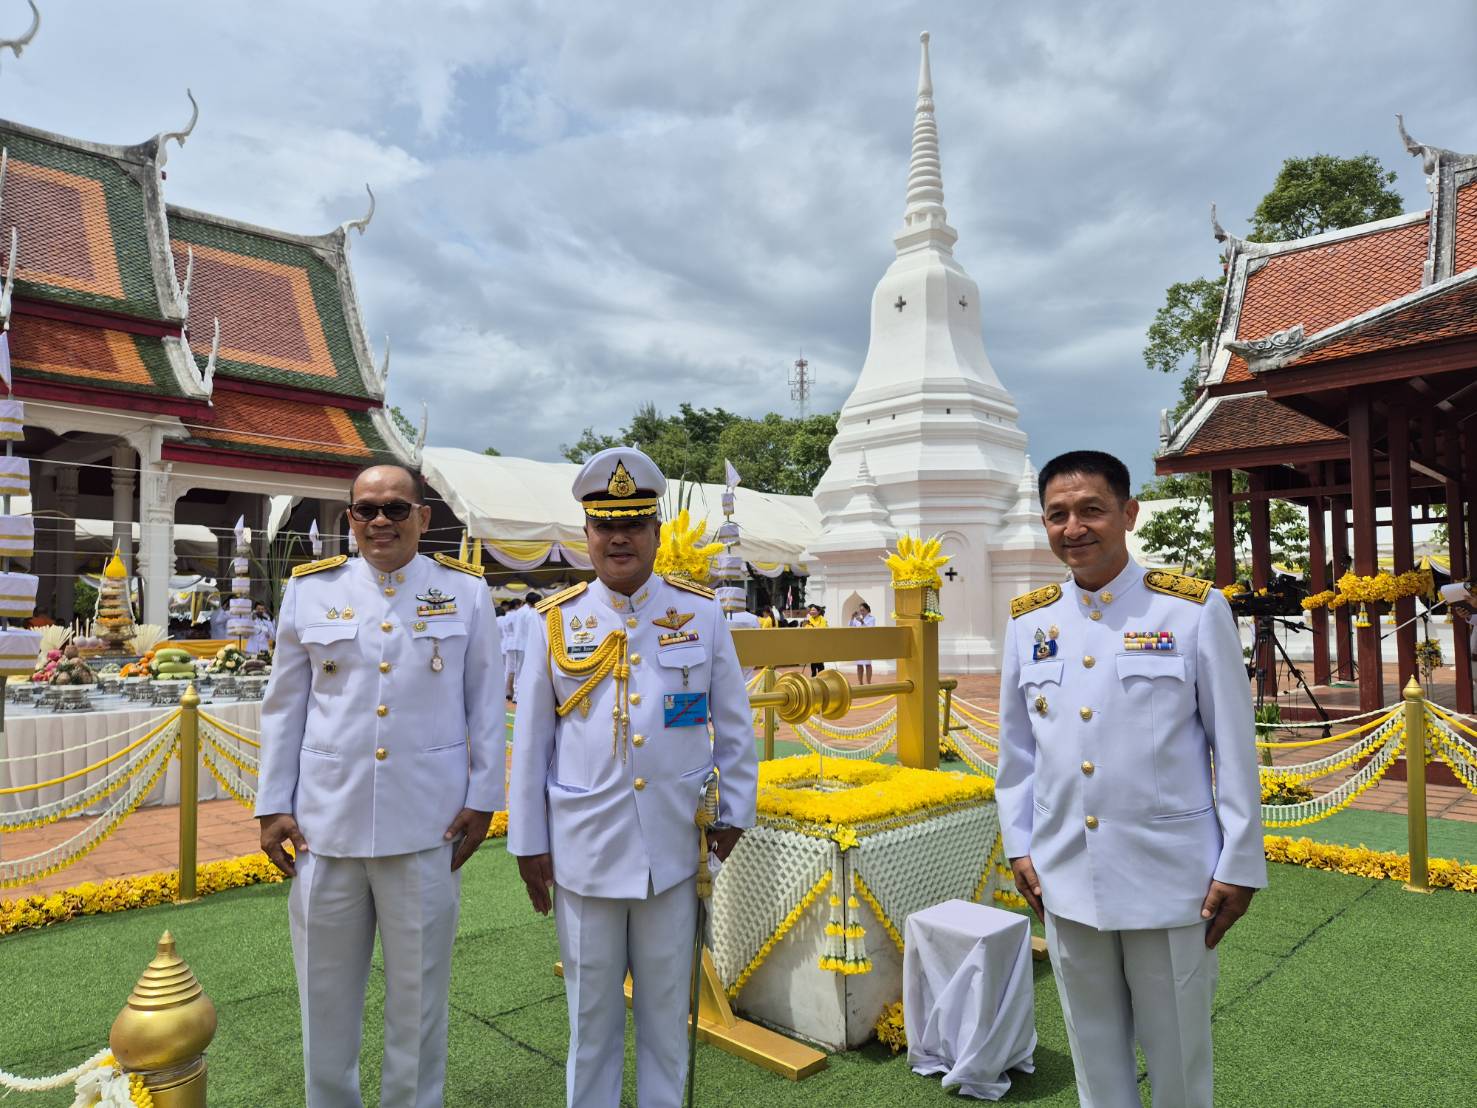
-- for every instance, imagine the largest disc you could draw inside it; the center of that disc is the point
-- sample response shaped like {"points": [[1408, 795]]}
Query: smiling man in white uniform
{"points": [[382, 763], [611, 747], [1120, 691]]}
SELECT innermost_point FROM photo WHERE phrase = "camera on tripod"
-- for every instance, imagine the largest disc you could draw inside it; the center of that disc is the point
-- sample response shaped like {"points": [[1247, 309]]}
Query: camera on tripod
{"points": [[1282, 598]]}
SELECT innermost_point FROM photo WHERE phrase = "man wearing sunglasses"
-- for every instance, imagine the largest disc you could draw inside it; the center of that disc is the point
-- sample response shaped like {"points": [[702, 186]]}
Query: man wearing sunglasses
{"points": [[382, 763]]}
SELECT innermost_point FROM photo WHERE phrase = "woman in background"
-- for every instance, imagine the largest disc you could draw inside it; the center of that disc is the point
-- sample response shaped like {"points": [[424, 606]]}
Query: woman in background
{"points": [[863, 617]]}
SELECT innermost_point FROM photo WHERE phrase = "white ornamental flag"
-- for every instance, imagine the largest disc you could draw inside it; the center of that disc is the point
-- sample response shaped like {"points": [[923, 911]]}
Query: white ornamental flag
{"points": [[5, 358], [315, 540], [240, 530], [731, 476]]}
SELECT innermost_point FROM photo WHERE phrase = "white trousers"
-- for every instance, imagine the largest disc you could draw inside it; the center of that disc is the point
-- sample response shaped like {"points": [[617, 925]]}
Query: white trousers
{"points": [[1153, 985], [512, 663], [600, 939], [335, 906]]}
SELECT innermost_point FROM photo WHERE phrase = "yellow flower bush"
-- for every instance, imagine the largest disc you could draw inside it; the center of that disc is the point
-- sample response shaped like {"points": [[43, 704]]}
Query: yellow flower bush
{"points": [[26, 913], [877, 792], [1443, 873], [890, 1029], [1277, 789]]}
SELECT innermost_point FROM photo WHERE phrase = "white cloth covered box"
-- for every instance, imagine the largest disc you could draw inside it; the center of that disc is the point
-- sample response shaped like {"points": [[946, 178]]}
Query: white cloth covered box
{"points": [[17, 595], [15, 477], [18, 651], [968, 997], [12, 419], [241, 586], [240, 606]]}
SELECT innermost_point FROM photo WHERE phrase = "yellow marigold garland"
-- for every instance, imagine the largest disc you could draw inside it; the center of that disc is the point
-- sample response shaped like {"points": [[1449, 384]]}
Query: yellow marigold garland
{"points": [[891, 1031], [1353, 795], [1361, 861], [878, 792], [872, 903], [1382, 588], [780, 932]]}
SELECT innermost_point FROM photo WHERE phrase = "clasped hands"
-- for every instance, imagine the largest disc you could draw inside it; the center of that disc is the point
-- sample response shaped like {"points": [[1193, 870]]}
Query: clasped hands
{"points": [[468, 830], [1224, 904]]}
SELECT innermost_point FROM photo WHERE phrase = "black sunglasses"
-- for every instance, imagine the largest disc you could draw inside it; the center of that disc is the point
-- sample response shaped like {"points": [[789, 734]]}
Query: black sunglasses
{"points": [[395, 511]]}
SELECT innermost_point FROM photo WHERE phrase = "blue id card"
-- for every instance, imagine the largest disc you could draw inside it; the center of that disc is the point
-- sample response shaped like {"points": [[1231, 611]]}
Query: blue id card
{"points": [[685, 709]]}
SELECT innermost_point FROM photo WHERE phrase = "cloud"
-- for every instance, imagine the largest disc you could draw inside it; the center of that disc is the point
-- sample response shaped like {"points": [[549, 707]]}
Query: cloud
{"points": [[586, 207]]}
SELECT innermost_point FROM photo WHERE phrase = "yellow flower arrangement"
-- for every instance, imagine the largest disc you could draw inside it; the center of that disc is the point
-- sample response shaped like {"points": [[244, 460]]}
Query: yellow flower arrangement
{"points": [[1443, 873], [681, 552], [877, 792], [780, 932], [891, 1031], [1382, 588], [120, 894], [1233, 590], [915, 565], [1279, 789]]}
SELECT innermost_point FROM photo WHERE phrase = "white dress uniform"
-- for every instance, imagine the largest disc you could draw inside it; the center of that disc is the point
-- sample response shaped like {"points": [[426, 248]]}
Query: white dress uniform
{"points": [[611, 793], [1128, 774], [383, 718]]}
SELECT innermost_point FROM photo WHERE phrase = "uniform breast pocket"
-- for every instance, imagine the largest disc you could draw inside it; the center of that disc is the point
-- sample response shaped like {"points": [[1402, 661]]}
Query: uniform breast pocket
{"points": [[440, 647], [329, 642], [1157, 700], [1039, 681], [685, 706]]}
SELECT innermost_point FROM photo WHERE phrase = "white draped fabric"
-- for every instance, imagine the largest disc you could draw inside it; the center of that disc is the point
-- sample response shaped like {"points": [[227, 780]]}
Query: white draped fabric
{"points": [[513, 503], [968, 1001]]}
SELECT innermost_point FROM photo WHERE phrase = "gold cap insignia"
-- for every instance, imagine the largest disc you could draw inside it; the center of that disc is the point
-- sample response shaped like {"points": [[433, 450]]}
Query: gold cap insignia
{"points": [[621, 483]]}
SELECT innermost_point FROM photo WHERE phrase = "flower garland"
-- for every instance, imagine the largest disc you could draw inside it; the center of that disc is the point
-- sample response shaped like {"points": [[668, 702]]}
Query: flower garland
{"points": [[891, 1031], [1360, 861], [99, 1082], [121, 894], [780, 932], [1281, 789], [1382, 588]]}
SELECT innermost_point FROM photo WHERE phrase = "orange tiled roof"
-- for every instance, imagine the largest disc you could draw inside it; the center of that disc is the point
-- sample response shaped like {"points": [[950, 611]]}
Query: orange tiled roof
{"points": [[1319, 286], [74, 354], [290, 428], [1431, 319], [1255, 422], [1464, 256]]}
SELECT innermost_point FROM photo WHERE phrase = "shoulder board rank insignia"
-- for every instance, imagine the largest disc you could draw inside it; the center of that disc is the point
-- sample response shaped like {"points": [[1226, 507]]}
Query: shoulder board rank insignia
{"points": [[320, 565], [560, 597], [456, 563], [1177, 584], [1038, 598], [690, 586]]}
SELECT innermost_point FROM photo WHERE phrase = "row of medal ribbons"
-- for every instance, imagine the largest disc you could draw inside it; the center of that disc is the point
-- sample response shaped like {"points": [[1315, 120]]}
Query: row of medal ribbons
{"points": [[1148, 640]]}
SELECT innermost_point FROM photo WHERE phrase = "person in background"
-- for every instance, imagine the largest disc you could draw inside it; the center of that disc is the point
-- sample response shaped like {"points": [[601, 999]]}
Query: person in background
{"points": [[815, 616], [863, 617], [528, 620], [743, 620], [503, 635], [264, 631], [510, 627], [219, 621]]}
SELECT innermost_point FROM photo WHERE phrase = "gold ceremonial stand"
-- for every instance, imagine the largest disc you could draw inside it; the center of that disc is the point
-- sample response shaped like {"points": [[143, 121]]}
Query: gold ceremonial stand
{"points": [[163, 1031]]}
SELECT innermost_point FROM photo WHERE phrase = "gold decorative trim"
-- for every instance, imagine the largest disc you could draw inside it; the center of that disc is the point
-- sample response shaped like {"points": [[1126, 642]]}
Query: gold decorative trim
{"points": [[457, 564], [690, 586], [1177, 584], [1030, 601], [320, 565], [560, 597]]}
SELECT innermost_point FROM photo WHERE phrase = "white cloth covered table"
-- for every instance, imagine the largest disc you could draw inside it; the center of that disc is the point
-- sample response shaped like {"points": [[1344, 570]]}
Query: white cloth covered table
{"points": [[968, 999]]}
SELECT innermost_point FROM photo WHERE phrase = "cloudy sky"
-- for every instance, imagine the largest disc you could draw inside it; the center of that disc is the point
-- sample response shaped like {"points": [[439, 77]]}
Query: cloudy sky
{"points": [[586, 206]]}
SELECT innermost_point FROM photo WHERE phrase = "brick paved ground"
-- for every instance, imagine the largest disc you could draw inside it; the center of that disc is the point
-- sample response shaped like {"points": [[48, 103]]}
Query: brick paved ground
{"points": [[148, 841]]}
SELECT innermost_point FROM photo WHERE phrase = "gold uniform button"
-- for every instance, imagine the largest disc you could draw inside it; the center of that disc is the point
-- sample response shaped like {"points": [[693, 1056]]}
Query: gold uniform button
{"points": [[1106, 598], [381, 754], [631, 621], [1085, 713], [635, 659], [1095, 615], [1092, 823], [634, 698], [638, 740], [382, 710], [640, 783], [385, 626], [390, 590], [384, 667], [1087, 768], [1088, 661]]}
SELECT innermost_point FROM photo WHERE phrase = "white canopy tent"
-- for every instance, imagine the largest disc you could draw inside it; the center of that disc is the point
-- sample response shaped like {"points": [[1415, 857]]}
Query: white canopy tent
{"points": [[523, 512]]}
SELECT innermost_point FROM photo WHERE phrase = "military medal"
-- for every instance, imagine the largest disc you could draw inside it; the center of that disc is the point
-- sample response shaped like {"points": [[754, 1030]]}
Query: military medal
{"points": [[1045, 646], [1148, 640], [590, 622], [437, 664], [332, 613], [674, 619], [348, 613], [574, 624], [435, 603]]}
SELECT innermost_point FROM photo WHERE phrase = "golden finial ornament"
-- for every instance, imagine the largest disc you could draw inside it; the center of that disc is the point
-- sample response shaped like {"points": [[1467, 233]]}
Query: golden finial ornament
{"points": [[164, 1029]]}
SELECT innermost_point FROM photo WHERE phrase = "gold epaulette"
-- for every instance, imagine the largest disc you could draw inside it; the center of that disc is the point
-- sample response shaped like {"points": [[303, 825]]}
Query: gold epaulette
{"points": [[1177, 584], [1038, 598], [690, 586], [560, 597], [320, 565], [456, 563]]}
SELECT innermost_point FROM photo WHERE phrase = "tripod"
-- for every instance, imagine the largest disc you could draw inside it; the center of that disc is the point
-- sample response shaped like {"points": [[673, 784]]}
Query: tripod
{"points": [[1265, 633]]}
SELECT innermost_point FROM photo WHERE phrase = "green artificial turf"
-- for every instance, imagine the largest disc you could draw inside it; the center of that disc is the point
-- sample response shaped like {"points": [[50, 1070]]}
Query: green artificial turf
{"points": [[1446, 838], [1334, 990]]}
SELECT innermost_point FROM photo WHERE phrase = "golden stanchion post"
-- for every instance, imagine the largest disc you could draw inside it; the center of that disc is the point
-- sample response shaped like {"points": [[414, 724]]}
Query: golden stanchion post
{"points": [[1415, 786], [766, 684], [163, 1031], [189, 789], [917, 709]]}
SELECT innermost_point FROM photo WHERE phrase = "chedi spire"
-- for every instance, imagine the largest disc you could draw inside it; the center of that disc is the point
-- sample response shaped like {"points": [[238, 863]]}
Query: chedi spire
{"points": [[924, 219]]}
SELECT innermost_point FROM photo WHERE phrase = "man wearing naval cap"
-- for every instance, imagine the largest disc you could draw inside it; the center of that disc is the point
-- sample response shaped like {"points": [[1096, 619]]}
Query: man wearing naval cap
{"points": [[629, 697]]}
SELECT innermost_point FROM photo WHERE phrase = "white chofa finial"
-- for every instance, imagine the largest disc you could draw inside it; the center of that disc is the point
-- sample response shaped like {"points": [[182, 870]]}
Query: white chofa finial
{"points": [[179, 136], [16, 45], [363, 221]]}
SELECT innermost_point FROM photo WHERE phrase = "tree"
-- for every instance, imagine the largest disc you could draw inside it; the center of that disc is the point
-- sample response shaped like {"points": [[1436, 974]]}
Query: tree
{"points": [[1323, 193], [587, 444], [1188, 318], [1182, 535], [402, 421], [492, 452]]}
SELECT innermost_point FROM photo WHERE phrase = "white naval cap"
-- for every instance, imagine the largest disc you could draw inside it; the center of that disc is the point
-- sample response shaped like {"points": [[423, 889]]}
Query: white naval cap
{"points": [[619, 483], [1455, 594]]}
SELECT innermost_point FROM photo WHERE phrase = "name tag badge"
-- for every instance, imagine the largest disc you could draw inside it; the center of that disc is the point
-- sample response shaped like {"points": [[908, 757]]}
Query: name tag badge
{"points": [[580, 649], [685, 709]]}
